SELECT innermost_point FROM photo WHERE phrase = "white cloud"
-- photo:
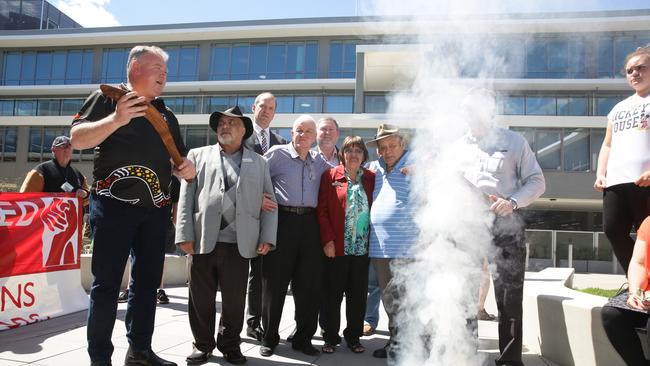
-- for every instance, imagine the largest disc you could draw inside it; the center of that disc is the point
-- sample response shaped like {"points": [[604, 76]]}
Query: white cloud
{"points": [[88, 13]]}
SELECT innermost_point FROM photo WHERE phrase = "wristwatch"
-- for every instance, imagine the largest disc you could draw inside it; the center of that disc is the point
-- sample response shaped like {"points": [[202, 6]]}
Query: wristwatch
{"points": [[514, 204]]}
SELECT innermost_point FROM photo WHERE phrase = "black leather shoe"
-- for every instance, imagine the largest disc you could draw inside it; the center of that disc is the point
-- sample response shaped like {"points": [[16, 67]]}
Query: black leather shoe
{"points": [[508, 363], [234, 357], [266, 351], [101, 363], [309, 350], [144, 358], [255, 333], [380, 353], [198, 357]]}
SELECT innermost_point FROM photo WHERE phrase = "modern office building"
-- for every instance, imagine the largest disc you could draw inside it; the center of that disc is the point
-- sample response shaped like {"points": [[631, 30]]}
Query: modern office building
{"points": [[33, 14], [563, 78]]}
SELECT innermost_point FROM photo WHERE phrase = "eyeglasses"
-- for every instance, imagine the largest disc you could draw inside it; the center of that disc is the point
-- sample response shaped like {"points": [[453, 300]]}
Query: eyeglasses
{"points": [[637, 68]]}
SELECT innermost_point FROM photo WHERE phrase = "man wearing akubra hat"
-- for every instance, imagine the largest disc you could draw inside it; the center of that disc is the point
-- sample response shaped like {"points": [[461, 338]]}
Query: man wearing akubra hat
{"points": [[393, 230], [221, 226]]}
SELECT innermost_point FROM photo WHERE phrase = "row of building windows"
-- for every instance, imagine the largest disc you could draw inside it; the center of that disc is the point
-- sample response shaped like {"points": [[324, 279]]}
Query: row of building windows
{"points": [[33, 14], [541, 57], [229, 61], [299, 103], [556, 149], [534, 105]]}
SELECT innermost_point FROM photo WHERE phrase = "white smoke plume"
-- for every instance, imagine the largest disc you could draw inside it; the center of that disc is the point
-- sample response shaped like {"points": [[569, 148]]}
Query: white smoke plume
{"points": [[439, 289]]}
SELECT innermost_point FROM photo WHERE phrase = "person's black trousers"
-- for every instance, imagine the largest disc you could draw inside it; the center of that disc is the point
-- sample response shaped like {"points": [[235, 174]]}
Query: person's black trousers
{"points": [[254, 299], [625, 206], [226, 268], [510, 259], [298, 258], [345, 275], [620, 327]]}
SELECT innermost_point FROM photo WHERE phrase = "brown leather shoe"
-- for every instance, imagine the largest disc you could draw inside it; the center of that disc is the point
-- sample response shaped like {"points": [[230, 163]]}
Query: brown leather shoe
{"points": [[484, 315]]}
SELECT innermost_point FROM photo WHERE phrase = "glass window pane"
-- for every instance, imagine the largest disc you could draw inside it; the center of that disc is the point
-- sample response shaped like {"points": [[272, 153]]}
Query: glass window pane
{"points": [[11, 74], [239, 68], [73, 67], [70, 107], [577, 64], [541, 106], [350, 59], [576, 150], [220, 63], [597, 137], [43, 68], [27, 69], [558, 58], [536, 58], [87, 68], [277, 60], [514, 105], [25, 107], [338, 104], [58, 67], [540, 244], [191, 105], [35, 143], [196, 137], [114, 65], [571, 106], [307, 104], [548, 147], [375, 104], [605, 104], [295, 59], [172, 63], [311, 60], [6, 107], [284, 103], [622, 47], [258, 61], [336, 58], [605, 58], [188, 64], [49, 107], [219, 103], [175, 104], [582, 245], [245, 103]]}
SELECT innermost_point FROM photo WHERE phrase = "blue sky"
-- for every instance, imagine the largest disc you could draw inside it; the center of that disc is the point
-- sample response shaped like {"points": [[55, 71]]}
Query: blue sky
{"points": [[95, 13]]}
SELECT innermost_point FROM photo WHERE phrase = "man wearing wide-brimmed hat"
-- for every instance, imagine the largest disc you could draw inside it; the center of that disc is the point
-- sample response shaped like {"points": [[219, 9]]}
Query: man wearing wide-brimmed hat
{"points": [[393, 230], [221, 225]]}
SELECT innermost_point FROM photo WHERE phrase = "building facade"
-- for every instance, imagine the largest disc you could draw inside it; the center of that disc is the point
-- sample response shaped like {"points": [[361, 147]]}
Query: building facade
{"points": [[33, 14], [559, 85]]}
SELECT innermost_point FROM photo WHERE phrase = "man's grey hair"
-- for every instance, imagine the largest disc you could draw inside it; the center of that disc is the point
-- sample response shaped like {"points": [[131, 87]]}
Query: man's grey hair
{"points": [[329, 119], [138, 51], [301, 119]]}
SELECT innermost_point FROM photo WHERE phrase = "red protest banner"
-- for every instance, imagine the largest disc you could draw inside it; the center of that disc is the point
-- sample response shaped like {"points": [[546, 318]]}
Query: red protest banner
{"points": [[39, 232]]}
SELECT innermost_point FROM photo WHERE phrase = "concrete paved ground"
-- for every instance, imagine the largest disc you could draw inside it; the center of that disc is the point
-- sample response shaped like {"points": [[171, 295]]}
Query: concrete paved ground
{"points": [[62, 341]]}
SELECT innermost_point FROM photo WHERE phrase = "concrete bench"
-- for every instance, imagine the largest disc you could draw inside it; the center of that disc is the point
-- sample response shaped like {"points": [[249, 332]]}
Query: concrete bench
{"points": [[563, 325], [175, 272]]}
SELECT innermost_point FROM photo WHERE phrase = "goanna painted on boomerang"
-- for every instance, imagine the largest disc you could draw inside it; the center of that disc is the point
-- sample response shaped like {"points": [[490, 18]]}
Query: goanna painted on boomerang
{"points": [[146, 175]]}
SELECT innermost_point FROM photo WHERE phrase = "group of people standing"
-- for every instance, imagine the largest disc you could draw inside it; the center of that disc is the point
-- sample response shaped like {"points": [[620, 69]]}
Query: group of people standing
{"points": [[258, 212]]}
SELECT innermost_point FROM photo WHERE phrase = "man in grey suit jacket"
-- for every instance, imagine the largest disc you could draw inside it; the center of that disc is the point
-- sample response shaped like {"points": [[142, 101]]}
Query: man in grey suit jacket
{"points": [[221, 225], [260, 141]]}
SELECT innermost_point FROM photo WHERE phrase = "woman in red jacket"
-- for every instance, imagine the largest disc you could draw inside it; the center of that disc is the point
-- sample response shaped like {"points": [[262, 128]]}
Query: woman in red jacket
{"points": [[344, 201]]}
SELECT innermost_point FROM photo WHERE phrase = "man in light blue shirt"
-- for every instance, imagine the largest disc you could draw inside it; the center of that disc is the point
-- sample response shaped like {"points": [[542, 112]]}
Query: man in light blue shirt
{"points": [[298, 258], [393, 231]]}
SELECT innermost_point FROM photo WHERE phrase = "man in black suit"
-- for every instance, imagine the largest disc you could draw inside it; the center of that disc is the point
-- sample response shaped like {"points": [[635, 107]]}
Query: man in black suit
{"points": [[260, 141], [263, 138]]}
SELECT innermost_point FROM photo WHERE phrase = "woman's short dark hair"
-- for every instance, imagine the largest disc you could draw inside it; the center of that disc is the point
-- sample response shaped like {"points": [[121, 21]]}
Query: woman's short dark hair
{"points": [[353, 141]]}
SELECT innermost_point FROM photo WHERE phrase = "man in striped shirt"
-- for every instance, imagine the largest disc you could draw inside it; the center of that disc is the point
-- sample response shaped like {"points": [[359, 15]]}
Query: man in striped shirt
{"points": [[393, 230]]}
